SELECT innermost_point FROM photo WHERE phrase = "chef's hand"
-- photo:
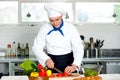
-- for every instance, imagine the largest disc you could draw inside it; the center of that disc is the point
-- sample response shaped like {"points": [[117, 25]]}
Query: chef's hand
{"points": [[49, 63], [70, 69]]}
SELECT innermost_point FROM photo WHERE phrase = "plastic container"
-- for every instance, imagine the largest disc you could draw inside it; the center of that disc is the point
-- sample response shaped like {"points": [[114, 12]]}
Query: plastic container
{"points": [[14, 51]]}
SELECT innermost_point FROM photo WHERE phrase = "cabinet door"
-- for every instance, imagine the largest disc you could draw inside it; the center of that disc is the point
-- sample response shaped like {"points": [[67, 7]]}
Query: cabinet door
{"points": [[4, 68], [112, 67]]}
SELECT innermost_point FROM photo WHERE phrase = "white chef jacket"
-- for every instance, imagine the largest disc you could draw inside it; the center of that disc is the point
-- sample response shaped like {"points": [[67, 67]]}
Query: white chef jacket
{"points": [[57, 44]]}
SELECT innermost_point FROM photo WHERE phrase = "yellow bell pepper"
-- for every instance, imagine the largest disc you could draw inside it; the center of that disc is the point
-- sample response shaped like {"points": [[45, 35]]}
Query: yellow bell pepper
{"points": [[34, 74], [49, 72]]}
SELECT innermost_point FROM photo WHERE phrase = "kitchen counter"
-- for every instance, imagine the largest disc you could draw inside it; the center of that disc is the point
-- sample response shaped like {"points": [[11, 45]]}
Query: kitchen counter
{"points": [[11, 61], [7, 59], [102, 59], [104, 77]]}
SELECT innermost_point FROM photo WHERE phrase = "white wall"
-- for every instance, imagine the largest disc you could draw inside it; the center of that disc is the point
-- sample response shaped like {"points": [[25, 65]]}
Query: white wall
{"points": [[109, 33], [23, 34]]}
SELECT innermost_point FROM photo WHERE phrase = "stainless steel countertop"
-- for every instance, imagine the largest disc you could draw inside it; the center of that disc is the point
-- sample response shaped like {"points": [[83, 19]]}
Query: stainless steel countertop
{"points": [[102, 59], [105, 59]]}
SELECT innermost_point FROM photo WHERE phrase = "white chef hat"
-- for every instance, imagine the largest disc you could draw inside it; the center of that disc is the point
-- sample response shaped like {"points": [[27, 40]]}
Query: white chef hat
{"points": [[54, 10]]}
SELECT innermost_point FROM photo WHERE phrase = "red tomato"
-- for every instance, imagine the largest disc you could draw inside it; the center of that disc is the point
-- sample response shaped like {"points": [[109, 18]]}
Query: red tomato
{"points": [[65, 74], [59, 75], [40, 66], [42, 74]]}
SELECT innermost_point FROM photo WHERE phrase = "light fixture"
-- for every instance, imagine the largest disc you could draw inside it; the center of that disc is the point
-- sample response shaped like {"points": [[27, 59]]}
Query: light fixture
{"points": [[28, 15], [114, 15]]}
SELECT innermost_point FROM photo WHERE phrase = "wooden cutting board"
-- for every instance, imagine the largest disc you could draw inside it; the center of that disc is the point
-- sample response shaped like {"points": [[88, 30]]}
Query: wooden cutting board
{"points": [[71, 77]]}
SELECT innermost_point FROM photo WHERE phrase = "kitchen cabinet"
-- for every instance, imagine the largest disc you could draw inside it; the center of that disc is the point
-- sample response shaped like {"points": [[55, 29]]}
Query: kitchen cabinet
{"points": [[13, 64], [4, 68], [112, 67], [16, 70]]}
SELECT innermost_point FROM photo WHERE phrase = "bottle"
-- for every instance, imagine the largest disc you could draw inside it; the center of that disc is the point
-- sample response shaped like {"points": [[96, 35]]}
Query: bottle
{"points": [[27, 50], [18, 50], [9, 50], [14, 49], [22, 51]]}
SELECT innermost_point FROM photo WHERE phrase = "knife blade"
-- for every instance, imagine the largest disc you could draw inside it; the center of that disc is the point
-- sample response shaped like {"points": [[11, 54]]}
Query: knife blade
{"points": [[56, 69]]}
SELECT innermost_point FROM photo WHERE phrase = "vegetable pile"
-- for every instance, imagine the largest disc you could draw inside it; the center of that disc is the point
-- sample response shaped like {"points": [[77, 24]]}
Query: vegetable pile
{"points": [[33, 70]]}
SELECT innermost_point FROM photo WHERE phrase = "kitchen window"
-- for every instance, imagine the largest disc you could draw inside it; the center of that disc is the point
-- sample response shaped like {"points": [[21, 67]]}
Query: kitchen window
{"points": [[34, 12], [97, 12], [8, 12]]}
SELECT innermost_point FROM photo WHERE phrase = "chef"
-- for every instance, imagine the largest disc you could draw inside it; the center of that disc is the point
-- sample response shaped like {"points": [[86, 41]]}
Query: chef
{"points": [[61, 41]]}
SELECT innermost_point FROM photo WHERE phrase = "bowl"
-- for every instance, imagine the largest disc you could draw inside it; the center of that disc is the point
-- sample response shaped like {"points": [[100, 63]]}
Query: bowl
{"points": [[91, 69]]}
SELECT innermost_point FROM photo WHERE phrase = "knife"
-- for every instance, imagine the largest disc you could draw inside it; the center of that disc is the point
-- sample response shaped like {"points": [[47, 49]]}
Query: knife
{"points": [[56, 69]]}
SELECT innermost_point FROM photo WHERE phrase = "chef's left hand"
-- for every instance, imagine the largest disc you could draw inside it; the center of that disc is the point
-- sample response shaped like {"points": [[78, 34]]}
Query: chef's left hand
{"points": [[70, 69]]}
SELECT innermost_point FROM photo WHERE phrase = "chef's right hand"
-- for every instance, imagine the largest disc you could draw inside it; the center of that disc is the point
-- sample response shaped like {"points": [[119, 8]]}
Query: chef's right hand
{"points": [[50, 63]]}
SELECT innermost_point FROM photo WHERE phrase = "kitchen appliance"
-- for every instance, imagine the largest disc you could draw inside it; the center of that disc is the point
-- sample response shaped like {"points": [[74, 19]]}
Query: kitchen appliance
{"points": [[111, 66]]}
